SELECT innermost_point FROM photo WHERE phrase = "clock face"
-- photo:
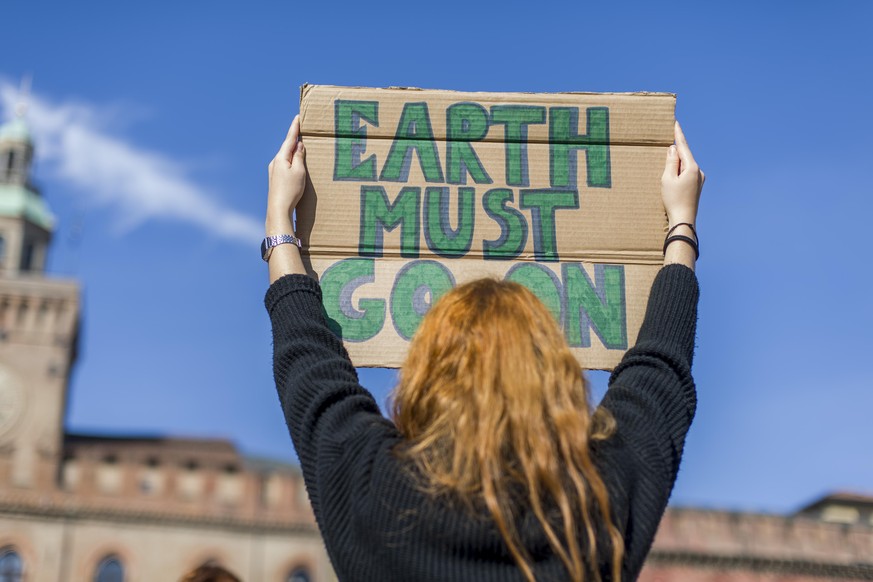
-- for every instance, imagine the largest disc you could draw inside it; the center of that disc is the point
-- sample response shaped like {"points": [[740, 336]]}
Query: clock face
{"points": [[11, 400]]}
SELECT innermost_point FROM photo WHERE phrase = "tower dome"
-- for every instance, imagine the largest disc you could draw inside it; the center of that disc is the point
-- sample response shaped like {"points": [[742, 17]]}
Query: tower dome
{"points": [[16, 130], [26, 223]]}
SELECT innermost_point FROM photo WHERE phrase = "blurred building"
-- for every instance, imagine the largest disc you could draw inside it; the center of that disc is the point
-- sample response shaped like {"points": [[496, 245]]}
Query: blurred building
{"points": [[77, 507], [830, 539]]}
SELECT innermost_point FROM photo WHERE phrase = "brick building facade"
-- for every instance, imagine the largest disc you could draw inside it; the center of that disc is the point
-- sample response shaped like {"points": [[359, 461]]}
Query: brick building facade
{"points": [[122, 509], [830, 539]]}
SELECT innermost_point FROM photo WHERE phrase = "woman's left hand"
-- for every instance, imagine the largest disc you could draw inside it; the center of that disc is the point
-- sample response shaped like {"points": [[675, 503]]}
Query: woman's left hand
{"points": [[287, 181]]}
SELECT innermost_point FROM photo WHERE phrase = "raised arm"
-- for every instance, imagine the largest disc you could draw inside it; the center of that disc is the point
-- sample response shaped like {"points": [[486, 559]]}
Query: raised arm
{"points": [[652, 388], [651, 392], [335, 423]]}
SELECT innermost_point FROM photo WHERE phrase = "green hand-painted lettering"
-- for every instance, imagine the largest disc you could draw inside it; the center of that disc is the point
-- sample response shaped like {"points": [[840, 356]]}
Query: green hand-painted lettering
{"points": [[516, 118], [542, 282], [465, 122], [417, 286], [414, 134], [440, 237], [351, 139], [513, 226], [338, 283], [599, 306], [379, 215], [543, 204], [565, 141]]}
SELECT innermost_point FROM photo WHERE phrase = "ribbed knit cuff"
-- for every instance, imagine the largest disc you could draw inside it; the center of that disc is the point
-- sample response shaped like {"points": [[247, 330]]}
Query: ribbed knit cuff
{"points": [[297, 295], [671, 315]]}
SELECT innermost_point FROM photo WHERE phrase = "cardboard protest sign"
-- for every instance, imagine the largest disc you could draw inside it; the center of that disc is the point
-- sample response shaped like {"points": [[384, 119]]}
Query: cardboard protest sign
{"points": [[414, 191]]}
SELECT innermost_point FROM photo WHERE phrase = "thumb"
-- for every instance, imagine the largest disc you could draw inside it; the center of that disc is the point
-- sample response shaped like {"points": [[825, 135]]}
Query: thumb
{"points": [[671, 167], [299, 158]]}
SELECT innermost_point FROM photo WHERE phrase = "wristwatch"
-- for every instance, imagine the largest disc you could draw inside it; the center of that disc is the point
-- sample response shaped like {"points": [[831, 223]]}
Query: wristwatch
{"points": [[273, 241]]}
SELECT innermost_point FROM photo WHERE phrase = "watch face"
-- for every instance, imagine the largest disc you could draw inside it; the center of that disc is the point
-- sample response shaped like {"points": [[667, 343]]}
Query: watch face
{"points": [[11, 400], [265, 250]]}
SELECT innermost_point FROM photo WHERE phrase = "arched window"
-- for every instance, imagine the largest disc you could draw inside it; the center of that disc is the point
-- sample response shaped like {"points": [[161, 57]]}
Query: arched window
{"points": [[11, 566], [299, 574], [110, 569]]}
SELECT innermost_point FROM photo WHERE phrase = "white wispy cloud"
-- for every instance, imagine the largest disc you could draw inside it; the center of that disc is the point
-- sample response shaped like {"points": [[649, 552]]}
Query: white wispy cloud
{"points": [[137, 184]]}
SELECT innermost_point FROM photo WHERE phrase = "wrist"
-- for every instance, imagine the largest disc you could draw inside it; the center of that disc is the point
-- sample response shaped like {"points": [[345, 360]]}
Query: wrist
{"points": [[680, 218], [278, 225], [681, 244], [271, 245], [682, 253]]}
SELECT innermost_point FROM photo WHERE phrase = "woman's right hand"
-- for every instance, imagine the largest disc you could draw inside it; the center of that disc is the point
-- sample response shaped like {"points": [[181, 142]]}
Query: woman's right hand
{"points": [[681, 184]]}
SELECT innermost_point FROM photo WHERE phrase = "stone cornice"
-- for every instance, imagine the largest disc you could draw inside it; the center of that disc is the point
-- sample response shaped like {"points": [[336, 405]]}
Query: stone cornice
{"points": [[793, 567], [47, 509]]}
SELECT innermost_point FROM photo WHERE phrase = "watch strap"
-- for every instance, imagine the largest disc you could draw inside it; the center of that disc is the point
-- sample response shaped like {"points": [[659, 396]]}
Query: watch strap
{"points": [[270, 242]]}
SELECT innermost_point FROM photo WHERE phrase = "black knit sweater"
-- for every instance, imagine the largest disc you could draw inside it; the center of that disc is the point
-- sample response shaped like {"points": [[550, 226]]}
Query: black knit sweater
{"points": [[379, 527]]}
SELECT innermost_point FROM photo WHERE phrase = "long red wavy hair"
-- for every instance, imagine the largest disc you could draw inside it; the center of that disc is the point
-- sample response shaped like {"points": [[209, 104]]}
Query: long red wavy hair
{"points": [[492, 402]]}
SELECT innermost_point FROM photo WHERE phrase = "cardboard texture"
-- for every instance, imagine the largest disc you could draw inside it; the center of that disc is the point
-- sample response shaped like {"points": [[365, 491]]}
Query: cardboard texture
{"points": [[413, 191]]}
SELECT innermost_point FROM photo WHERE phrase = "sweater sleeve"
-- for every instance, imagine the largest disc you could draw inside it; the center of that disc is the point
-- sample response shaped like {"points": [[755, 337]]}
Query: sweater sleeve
{"points": [[652, 397], [335, 424]]}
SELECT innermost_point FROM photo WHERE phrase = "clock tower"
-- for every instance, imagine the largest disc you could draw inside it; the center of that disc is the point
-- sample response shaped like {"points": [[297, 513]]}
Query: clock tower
{"points": [[39, 322]]}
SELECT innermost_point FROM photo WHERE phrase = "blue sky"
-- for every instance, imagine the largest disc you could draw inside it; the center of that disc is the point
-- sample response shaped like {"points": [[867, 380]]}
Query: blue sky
{"points": [[155, 123]]}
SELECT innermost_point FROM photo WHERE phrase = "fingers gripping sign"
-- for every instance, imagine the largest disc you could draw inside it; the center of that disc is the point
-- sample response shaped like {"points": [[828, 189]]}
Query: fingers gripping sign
{"points": [[681, 184], [287, 175]]}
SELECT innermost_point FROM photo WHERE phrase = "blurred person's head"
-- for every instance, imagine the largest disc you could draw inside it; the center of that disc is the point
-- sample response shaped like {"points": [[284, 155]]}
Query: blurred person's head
{"points": [[209, 573], [491, 401]]}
